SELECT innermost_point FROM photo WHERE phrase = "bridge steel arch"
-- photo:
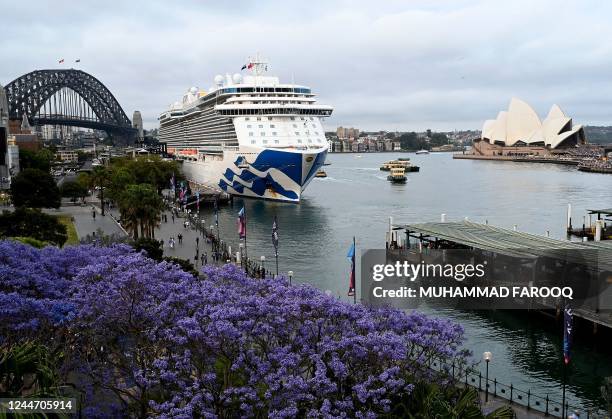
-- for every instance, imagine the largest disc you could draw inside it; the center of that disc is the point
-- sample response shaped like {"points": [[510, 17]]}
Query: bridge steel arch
{"points": [[27, 94]]}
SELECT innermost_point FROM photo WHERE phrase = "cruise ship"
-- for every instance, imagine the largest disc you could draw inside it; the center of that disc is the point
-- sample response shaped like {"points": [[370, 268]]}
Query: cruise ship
{"points": [[248, 135]]}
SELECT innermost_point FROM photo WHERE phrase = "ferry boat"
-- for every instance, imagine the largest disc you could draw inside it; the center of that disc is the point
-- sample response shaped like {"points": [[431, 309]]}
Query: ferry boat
{"points": [[401, 163], [397, 175], [248, 135], [423, 151]]}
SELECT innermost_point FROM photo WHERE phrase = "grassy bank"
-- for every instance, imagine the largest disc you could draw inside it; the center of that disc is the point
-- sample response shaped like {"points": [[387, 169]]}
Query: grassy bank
{"points": [[73, 237]]}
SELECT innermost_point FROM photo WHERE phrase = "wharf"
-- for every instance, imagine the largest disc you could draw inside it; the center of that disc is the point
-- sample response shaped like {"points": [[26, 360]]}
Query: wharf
{"points": [[524, 159], [484, 237]]}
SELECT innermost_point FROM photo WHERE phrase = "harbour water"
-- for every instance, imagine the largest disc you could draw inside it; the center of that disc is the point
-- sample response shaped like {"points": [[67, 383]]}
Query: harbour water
{"points": [[356, 200]]}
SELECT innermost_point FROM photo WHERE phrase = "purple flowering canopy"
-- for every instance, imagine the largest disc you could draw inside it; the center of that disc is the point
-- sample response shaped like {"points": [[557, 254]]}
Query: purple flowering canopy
{"points": [[142, 338]]}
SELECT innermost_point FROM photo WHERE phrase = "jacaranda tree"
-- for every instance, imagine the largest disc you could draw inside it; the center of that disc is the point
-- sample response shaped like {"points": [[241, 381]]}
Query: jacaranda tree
{"points": [[143, 338]]}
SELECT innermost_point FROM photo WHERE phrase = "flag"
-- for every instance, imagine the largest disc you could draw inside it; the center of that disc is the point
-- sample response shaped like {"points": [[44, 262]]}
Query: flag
{"points": [[351, 256], [567, 333], [275, 236], [78, 60], [250, 66], [216, 214], [61, 61], [242, 224], [198, 201], [243, 67]]}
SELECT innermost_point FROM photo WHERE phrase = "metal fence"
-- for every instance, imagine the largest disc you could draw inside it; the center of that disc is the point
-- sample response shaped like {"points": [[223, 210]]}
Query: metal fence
{"points": [[528, 399]]}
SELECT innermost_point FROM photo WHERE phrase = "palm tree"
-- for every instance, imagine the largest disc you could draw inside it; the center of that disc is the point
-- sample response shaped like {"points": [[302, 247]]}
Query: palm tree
{"points": [[100, 178], [140, 207]]}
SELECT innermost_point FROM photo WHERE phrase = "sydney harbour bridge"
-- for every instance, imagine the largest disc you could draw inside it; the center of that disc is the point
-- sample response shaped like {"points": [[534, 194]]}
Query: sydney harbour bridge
{"points": [[67, 98]]}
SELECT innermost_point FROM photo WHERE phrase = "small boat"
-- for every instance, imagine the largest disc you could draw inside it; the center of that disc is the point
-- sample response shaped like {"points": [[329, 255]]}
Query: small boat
{"points": [[422, 151], [397, 175], [403, 159], [321, 173]]}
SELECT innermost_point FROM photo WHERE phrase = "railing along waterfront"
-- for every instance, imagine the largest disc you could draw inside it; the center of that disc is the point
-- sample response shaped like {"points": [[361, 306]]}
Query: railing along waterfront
{"points": [[529, 400], [222, 251]]}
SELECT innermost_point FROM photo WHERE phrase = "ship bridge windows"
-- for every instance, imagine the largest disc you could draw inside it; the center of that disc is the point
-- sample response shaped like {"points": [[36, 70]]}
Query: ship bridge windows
{"points": [[274, 133], [272, 126], [250, 134], [252, 141]]}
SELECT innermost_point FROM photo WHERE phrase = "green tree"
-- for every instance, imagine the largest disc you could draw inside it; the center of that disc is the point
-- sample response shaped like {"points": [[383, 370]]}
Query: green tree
{"points": [[25, 222], [100, 179], [140, 207], [151, 246], [40, 160], [73, 190], [35, 188], [28, 369], [120, 179]]}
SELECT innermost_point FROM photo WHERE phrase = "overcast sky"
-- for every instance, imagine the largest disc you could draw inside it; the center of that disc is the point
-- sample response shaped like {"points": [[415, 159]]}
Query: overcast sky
{"points": [[393, 65]]}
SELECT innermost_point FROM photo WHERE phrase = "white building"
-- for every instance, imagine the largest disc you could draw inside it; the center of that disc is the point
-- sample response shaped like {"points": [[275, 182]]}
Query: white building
{"points": [[521, 126]]}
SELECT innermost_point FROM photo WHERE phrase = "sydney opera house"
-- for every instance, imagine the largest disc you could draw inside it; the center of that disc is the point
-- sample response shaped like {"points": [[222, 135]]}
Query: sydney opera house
{"points": [[519, 131]]}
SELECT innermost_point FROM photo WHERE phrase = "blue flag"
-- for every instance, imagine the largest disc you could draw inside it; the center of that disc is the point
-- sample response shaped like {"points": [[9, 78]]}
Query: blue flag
{"points": [[275, 236], [351, 256], [567, 333]]}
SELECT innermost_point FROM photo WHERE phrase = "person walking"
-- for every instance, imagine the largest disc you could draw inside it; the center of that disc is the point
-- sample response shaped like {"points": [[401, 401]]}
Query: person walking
{"points": [[180, 238], [93, 214], [172, 218], [197, 241], [203, 257]]}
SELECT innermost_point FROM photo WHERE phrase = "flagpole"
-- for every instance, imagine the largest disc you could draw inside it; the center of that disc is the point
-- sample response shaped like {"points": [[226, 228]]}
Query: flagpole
{"points": [[246, 255], [563, 412], [354, 276]]}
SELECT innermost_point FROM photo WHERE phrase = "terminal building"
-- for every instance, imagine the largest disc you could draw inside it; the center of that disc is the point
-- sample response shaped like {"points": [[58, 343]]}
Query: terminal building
{"points": [[9, 152], [519, 131]]}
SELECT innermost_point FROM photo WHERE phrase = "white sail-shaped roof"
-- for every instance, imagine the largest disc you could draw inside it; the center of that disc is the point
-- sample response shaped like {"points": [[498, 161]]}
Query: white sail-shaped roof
{"points": [[522, 121], [521, 124], [487, 130], [499, 130]]}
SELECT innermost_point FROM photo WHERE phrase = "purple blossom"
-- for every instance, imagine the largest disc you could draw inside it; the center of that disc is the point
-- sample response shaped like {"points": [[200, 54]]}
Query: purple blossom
{"points": [[159, 342]]}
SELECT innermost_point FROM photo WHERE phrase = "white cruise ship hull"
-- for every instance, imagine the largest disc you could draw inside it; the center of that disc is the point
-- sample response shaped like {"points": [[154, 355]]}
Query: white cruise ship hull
{"points": [[263, 173]]}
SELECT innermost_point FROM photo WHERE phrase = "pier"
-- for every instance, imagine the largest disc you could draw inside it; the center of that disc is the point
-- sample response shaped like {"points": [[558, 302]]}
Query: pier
{"points": [[417, 238]]}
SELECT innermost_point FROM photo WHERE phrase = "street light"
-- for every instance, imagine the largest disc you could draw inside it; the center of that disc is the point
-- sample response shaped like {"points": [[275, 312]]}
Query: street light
{"points": [[290, 273], [488, 357]]}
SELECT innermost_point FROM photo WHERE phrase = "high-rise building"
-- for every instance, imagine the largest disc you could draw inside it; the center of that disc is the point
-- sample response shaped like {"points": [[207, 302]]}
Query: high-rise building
{"points": [[137, 123]]}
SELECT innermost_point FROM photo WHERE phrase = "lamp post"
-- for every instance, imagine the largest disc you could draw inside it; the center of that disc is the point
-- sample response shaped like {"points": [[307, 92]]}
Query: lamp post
{"points": [[241, 246], [487, 356], [290, 273], [263, 266]]}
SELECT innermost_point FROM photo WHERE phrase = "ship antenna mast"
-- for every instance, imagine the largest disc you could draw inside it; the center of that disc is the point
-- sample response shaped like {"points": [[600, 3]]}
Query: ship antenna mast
{"points": [[260, 66]]}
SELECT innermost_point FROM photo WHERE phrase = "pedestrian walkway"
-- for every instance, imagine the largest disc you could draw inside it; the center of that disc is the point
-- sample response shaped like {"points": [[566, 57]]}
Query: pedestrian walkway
{"points": [[85, 223]]}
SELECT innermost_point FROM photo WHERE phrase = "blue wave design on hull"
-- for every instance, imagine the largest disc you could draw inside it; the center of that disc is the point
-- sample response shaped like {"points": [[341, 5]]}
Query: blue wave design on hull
{"points": [[288, 163]]}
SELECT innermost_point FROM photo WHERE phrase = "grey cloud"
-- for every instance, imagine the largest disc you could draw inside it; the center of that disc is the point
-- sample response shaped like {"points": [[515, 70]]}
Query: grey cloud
{"points": [[382, 65]]}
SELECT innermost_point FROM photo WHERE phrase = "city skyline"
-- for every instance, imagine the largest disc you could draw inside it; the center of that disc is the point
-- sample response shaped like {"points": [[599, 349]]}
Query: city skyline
{"points": [[390, 66]]}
